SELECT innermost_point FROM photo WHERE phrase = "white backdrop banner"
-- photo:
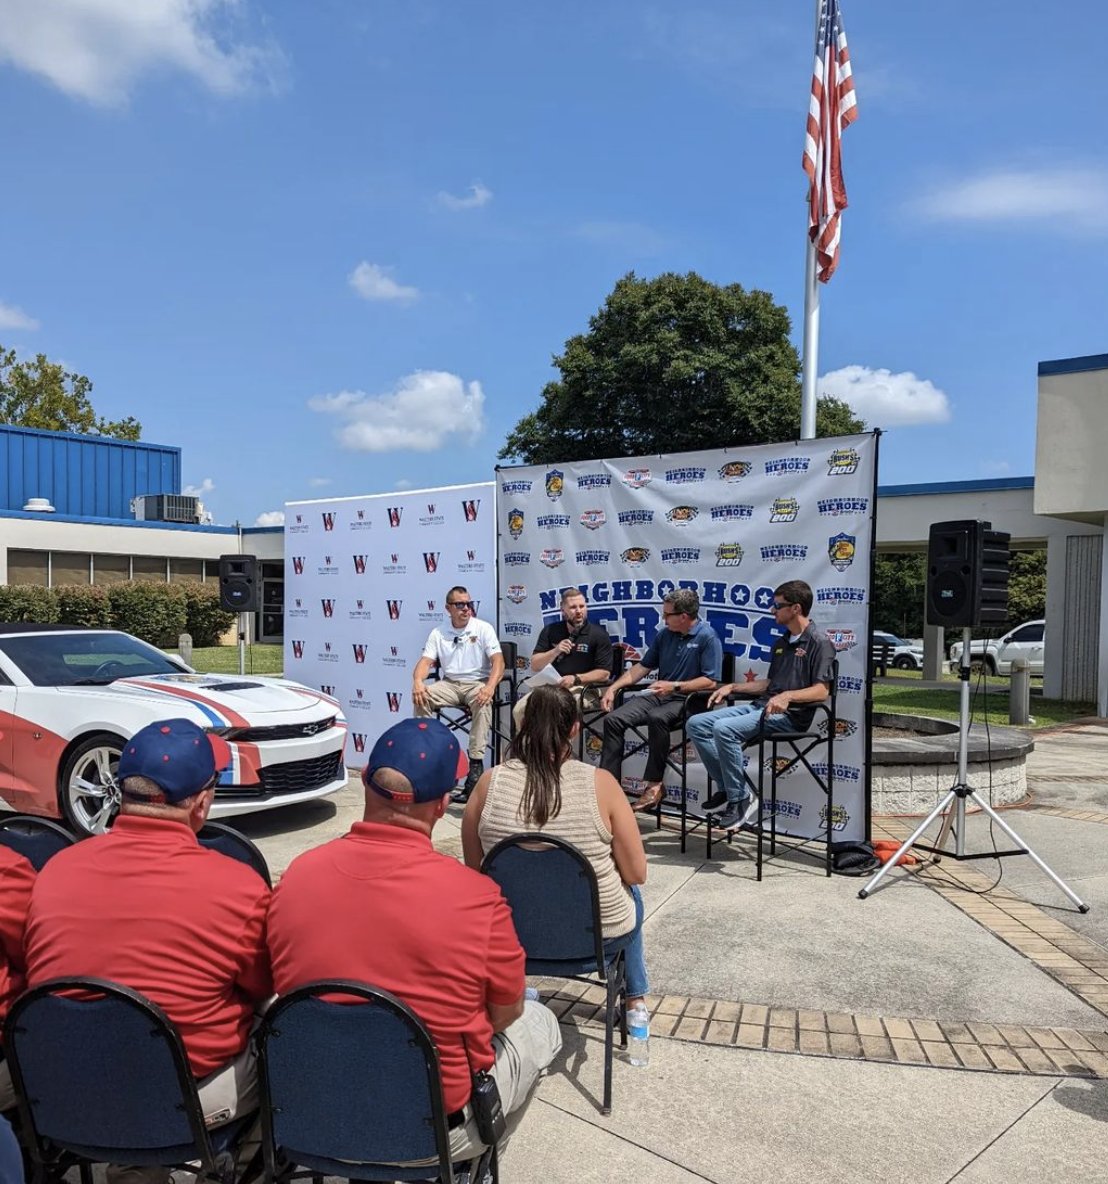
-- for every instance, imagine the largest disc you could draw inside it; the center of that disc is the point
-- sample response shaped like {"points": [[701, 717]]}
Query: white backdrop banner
{"points": [[365, 582], [732, 524]]}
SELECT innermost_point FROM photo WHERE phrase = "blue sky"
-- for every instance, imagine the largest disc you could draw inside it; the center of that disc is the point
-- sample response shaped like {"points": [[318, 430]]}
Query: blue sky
{"points": [[329, 248]]}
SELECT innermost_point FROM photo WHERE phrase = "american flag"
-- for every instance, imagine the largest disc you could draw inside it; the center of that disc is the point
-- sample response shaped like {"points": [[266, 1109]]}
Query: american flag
{"points": [[831, 108]]}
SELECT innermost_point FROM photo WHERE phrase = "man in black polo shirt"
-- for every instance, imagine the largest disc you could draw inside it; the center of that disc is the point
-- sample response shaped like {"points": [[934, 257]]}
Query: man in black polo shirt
{"points": [[579, 651], [799, 676]]}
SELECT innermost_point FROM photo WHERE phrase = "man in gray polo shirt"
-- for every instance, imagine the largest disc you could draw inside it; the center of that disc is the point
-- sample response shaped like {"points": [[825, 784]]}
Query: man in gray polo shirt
{"points": [[688, 657], [799, 676]]}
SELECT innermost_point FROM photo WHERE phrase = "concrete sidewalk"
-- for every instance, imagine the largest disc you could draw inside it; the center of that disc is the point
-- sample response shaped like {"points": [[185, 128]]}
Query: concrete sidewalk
{"points": [[944, 1028]]}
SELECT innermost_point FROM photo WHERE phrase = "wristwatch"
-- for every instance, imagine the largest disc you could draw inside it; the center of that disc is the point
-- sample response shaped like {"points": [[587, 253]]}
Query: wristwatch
{"points": [[576, 680]]}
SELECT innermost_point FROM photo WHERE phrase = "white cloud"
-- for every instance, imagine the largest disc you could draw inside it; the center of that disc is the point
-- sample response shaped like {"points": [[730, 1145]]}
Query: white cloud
{"points": [[404, 483], [887, 400], [98, 49], [205, 486], [270, 518], [422, 413], [478, 195], [1066, 198], [318, 482], [373, 282], [12, 317]]}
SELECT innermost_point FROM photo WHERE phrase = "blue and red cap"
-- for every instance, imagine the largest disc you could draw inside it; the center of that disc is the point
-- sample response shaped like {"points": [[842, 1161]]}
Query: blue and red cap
{"points": [[177, 756], [423, 750]]}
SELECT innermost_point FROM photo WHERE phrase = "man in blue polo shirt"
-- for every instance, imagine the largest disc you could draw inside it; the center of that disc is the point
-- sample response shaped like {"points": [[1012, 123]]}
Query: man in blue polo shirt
{"points": [[688, 657]]}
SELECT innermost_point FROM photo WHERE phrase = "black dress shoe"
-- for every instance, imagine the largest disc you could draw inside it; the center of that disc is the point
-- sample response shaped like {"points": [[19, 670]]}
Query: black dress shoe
{"points": [[462, 795], [715, 803]]}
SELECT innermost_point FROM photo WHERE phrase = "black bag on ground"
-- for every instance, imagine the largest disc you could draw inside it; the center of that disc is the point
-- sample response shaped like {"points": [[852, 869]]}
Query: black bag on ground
{"points": [[853, 857]]}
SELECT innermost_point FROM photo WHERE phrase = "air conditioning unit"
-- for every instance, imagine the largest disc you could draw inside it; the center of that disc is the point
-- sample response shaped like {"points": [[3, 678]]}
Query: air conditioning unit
{"points": [[167, 507]]}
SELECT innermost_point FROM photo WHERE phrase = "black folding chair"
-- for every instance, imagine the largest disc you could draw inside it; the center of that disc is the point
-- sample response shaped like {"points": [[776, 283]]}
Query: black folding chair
{"points": [[218, 836], [35, 838], [592, 731], [351, 1087], [552, 891], [101, 1075], [458, 717]]}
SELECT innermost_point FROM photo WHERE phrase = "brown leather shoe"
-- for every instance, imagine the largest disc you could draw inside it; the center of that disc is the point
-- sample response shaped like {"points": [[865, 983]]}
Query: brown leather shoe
{"points": [[649, 798]]}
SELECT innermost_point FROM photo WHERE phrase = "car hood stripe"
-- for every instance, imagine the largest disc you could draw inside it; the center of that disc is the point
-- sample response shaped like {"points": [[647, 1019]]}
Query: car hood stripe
{"points": [[219, 716]]}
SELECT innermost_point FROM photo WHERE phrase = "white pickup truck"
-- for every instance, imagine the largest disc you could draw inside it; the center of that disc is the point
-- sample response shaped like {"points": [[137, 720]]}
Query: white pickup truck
{"points": [[997, 654]]}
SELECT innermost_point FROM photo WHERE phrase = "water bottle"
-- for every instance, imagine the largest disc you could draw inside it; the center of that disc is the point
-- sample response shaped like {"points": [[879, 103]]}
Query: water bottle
{"points": [[638, 1035]]}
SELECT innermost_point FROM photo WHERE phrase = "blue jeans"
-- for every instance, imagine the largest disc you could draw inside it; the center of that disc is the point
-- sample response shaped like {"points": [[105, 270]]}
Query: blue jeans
{"points": [[719, 737], [633, 957]]}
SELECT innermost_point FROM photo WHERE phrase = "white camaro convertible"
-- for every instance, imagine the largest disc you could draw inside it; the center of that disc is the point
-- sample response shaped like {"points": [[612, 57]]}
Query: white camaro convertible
{"points": [[69, 698]]}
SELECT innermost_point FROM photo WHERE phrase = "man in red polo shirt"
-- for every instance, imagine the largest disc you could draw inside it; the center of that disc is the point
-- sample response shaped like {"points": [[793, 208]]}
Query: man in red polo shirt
{"points": [[17, 878], [380, 905], [147, 906]]}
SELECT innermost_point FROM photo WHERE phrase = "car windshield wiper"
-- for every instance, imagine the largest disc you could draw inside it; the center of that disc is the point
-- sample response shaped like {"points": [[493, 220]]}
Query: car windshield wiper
{"points": [[93, 682]]}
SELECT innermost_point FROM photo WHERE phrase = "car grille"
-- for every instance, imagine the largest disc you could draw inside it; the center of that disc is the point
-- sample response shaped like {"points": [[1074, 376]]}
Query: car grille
{"points": [[299, 776], [314, 727]]}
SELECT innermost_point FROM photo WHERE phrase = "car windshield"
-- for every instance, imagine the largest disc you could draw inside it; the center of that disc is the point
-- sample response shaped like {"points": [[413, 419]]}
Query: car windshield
{"points": [[84, 659]]}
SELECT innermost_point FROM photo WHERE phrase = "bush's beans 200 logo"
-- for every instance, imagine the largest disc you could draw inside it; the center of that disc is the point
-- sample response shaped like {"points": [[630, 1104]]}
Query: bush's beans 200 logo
{"points": [[784, 509], [593, 519], [735, 470], [515, 523], [840, 550], [729, 555], [555, 484], [842, 461]]}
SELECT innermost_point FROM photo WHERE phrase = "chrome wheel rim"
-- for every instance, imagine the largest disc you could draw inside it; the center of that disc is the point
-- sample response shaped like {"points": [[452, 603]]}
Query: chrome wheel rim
{"points": [[93, 791]]}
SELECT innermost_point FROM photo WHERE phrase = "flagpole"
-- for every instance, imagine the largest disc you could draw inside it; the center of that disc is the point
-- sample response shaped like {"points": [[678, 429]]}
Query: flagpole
{"points": [[810, 358]]}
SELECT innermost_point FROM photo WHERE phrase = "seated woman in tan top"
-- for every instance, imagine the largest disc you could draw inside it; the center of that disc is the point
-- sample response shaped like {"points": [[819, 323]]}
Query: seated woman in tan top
{"points": [[542, 788]]}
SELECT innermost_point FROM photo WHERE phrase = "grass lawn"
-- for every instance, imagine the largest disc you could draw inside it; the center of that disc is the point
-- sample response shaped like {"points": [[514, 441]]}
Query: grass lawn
{"points": [[224, 659], [916, 700]]}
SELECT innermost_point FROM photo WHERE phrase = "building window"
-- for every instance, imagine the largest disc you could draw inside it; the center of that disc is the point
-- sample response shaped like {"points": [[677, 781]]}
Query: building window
{"points": [[29, 567], [111, 569], [149, 567], [186, 571], [69, 567]]}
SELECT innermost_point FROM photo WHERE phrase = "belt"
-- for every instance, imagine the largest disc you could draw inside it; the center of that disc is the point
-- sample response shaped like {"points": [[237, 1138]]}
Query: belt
{"points": [[458, 1118]]}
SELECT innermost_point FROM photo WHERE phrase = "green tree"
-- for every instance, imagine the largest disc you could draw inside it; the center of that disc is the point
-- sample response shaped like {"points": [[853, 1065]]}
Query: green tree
{"points": [[43, 394], [1027, 587], [898, 593], [669, 365]]}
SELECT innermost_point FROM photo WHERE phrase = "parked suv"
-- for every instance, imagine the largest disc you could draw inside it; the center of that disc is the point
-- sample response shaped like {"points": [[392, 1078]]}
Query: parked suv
{"points": [[997, 654], [904, 655]]}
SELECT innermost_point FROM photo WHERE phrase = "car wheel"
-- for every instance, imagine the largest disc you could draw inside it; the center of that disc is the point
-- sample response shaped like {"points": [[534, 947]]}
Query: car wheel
{"points": [[88, 794], [904, 663]]}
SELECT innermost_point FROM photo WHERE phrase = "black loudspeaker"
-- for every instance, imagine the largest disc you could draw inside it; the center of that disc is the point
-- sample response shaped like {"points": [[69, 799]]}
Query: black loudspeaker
{"points": [[967, 574], [238, 583]]}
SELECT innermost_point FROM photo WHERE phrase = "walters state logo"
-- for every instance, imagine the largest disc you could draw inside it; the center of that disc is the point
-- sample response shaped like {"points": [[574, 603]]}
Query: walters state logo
{"points": [[516, 629], [836, 507], [784, 552], [328, 517], [328, 567], [394, 657], [833, 596], [359, 564], [517, 593], [395, 513], [431, 561], [360, 521], [394, 567], [359, 612], [551, 521], [470, 506], [360, 651], [471, 563], [635, 517], [784, 509], [635, 556], [358, 702], [591, 558], [297, 525], [393, 699], [328, 691], [328, 607], [842, 462], [681, 515], [729, 555], [433, 614], [555, 484], [358, 741], [515, 523], [516, 558], [552, 557], [842, 639], [298, 650], [593, 519], [735, 470], [637, 478], [681, 555], [593, 481], [298, 565], [687, 475], [732, 513], [327, 654], [393, 607], [515, 486], [297, 609], [432, 517], [840, 550], [786, 466]]}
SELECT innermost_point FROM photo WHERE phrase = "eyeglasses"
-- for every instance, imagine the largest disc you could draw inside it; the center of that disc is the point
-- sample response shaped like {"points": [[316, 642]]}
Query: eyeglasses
{"points": [[778, 605], [467, 605], [675, 613]]}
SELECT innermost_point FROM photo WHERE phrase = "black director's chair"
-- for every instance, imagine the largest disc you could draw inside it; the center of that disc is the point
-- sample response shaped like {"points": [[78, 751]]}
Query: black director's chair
{"points": [[458, 718]]}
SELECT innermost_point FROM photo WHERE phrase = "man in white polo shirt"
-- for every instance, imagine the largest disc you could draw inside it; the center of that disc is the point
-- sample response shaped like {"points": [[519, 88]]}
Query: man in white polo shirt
{"points": [[470, 668]]}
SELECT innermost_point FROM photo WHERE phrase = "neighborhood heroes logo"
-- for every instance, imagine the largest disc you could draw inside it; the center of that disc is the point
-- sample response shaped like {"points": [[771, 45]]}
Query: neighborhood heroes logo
{"points": [[732, 513], [681, 555], [840, 550], [432, 517], [784, 509], [360, 521], [637, 478], [787, 465], [394, 567], [836, 507], [784, 552], [735, 470], [516, 558], [515, 486], [516, 629], [838, 596], [552, 557], [850, 684], [686, 475], [551, 521], [591, 558], [593, 481], [842, 462], [789, 810], [635, 517]]}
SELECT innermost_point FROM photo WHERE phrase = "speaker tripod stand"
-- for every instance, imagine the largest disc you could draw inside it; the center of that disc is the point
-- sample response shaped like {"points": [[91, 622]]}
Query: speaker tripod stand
{"points": [[953, 806]]}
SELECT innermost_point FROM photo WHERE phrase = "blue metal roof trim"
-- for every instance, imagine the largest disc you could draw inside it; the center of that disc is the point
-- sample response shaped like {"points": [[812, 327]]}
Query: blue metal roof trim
{"points": [[263, 530], [86, 520], [1074, 365], [987, 485]]}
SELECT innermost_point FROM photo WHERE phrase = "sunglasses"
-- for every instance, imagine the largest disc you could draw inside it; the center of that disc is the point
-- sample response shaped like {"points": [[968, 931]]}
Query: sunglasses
{"points": [[778, 605], [461, 604]]}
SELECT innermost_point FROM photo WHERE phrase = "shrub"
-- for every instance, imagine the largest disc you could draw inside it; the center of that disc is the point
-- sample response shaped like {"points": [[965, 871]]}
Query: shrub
{"points": [[205, 620], [28, 602], [83, 604], [153, 611]]}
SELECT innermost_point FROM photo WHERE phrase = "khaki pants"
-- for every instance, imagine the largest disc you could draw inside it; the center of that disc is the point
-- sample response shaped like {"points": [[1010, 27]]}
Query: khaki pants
{"points": [[447, 693]]}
